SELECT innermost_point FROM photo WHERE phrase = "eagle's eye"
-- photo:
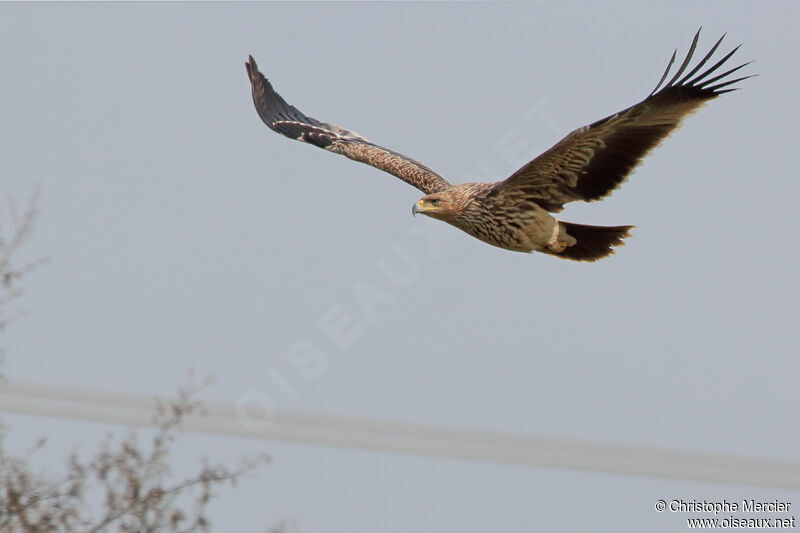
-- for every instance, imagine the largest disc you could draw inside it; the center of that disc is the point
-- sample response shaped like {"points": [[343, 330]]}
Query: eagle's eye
{"points": [[435, 202]]}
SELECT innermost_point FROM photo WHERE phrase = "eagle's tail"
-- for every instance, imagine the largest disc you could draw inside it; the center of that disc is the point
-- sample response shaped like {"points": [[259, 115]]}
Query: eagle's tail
{"points": [[593, 242]]}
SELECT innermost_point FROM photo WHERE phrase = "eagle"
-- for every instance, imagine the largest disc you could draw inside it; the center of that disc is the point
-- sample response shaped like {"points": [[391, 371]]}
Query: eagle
{"points": [[515, 214]]}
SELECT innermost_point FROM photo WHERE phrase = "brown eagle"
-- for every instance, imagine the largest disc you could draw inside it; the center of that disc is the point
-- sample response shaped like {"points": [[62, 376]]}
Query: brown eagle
{"points": [[587, 165]]}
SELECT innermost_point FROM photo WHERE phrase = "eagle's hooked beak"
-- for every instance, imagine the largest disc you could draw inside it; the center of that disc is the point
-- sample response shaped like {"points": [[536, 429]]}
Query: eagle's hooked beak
{"points": [[417, 208]]}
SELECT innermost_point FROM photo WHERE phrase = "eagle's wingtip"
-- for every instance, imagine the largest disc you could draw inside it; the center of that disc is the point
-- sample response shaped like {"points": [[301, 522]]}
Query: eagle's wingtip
{"points": [[251, 67]]}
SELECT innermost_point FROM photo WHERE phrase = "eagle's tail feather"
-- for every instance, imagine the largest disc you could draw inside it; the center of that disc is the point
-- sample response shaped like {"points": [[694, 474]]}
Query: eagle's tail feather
{"points": [[593, 242]]}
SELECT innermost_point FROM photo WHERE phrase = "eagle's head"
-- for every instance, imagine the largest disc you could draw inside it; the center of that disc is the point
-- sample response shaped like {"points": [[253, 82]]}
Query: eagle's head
{"points": [[445, 204]]}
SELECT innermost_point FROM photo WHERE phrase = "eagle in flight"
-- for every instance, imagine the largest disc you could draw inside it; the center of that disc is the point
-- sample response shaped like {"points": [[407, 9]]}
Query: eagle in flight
{"points": [[587, 165]]}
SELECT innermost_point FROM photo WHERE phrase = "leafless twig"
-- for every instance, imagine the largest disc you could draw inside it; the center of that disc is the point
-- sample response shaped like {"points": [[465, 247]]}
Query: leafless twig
{"points": [[12, 239], [132, 480]]}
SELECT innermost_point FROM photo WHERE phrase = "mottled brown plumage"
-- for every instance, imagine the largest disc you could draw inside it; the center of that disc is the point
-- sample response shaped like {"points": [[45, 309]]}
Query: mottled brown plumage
{"points": [[587, 165]]}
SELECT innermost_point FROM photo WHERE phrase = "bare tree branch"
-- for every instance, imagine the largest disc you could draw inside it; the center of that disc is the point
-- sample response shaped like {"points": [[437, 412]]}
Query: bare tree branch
{"points": [[133, 482], [12, 239]]}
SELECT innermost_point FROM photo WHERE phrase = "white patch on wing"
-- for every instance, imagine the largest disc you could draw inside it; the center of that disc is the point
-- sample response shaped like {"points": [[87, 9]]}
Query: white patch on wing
{"points": [[554, 237], [309, 128]]}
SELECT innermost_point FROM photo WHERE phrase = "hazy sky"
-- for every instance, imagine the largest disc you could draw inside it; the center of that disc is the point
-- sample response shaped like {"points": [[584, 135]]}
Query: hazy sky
{"points": [[183, 233]]}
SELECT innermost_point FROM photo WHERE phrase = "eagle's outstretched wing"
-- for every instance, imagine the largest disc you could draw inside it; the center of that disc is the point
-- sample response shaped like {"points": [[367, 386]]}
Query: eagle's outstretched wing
{"points": [[289, 121], [592, 161]]}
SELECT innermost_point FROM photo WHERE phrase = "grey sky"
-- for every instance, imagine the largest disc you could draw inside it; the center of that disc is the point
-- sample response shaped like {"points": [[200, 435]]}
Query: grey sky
{"points": [[183, 233]]}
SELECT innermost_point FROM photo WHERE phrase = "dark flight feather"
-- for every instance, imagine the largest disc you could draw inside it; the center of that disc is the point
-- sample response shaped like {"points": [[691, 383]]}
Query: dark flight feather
{"points": [[287, 120], [592, 161]]}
